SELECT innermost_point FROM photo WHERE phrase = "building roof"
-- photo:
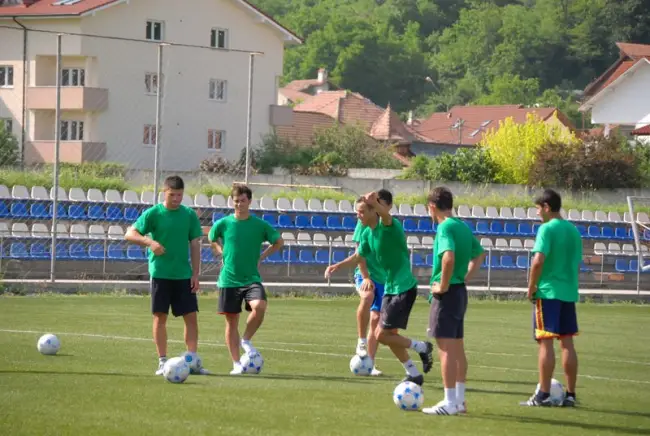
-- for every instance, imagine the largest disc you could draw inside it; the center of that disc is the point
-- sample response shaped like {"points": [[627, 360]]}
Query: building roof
{"points": [[629, 54], [440, 128], [305, 125], [79, 8], [642, 131], [624, 70]]}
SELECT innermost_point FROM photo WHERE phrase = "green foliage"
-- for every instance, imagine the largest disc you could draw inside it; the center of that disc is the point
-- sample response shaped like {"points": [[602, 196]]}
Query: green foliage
{"points": [[468, 165], [102, 176], [9, 152]]}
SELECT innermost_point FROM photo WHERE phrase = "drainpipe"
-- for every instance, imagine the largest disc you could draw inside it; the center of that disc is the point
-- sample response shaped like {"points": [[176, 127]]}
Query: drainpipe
{"points": [[24, 114]]}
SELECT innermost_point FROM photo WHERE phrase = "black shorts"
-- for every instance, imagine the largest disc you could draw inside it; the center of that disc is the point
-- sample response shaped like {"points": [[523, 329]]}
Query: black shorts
{"points": [[230, 299], [447, 316], [175, 293], [396, 309]]}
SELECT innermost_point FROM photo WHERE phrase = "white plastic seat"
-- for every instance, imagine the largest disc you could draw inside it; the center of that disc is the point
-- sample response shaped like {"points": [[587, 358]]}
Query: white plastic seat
{"points": [[394, 211], [614, 217], [464, 211], [128, 197], [146, 197], [201, 200], [267, 203], [39, 193], [61, 231], [4, 192], [427, 241], [563, 213], [77, 194], [96, 231], [20, 230], [96, 196], [642, 217], [486, 242], [345, 206], [413, 241], [613, 247], [349, 241], [405, 210], [516, 244], [600, 216], [519, 213], [115, 233], [315, 205], [600, 248], [491, 212], [161, 197], [299, 204], [478, 212], [588, 215], [501, 243], [338, 242], [218, 201], [627, 217], [78, 231], [532, 213], [574, 215], [628, 249], [40, 230], [61, 195], [20, 192], [320, 239], [187, 200], [113, 196], [505, 213], [529, 244], [4, 230], [283, 205], [255, 204], [330, 205], [304, 238], [289, 238], [420, 210]]}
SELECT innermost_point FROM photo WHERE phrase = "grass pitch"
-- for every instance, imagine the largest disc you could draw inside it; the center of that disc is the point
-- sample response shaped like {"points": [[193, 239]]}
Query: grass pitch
{"points": [[102, 382]]}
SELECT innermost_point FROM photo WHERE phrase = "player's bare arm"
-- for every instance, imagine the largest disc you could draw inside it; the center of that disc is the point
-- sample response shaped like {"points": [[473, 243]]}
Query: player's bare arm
{"points": [[195, 256], [351, 261], [272, 249], [134, 237], [217, 248], [474, 266], [382, 210], [535, 273], [448, 260]]}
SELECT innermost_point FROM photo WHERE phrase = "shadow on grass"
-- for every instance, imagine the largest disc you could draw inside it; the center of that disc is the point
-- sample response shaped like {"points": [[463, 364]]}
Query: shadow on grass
{"points": [[564, 423], [507, 382], [311, 377], [617, 412], [81, 373], [499, 392]]}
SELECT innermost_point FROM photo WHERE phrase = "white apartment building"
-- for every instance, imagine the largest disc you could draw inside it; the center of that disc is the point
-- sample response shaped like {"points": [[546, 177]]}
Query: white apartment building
{"points": [[109, 86]]}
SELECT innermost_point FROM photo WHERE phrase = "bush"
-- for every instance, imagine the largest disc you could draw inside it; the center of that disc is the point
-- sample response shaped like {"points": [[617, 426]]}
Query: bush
{"points": [[595, 163], [468, 165], [97, 175], [9, 153]]}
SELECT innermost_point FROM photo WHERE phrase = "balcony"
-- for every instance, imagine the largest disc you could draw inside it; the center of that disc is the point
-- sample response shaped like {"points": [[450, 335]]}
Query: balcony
{"points": [[37, 152], [72, 98]]}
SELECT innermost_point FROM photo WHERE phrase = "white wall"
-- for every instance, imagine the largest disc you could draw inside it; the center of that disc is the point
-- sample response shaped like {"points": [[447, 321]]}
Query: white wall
{"points": [[11, 99], [627, 103]]}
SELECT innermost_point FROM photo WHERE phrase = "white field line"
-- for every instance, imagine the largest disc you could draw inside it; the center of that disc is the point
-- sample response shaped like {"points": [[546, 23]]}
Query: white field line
{"points": [[318, 353]]}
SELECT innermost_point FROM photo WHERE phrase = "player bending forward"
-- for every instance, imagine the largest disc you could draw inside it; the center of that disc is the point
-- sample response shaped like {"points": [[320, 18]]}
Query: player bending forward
{"points": [[168, 230], [369, 279], [388, 242], [457, 255], [242, 236], [553, 288]]}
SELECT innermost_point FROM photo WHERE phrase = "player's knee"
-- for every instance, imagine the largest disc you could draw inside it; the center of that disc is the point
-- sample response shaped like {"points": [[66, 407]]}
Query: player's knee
{"points": [[258, 307], [232, 319], [566, 343], [159, 318]]}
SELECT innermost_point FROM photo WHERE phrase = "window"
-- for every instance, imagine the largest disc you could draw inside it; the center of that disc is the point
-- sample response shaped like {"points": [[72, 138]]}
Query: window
{"points": [[218, 89], [216, 139], [151, 83], [149, 134], [72, 130], [154, 30], [6, 76], [73, 77], [219, 38], [8, 124]]}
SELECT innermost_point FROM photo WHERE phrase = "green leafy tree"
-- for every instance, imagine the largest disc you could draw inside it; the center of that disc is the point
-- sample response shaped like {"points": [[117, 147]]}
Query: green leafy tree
{"points": [[9, 150]]}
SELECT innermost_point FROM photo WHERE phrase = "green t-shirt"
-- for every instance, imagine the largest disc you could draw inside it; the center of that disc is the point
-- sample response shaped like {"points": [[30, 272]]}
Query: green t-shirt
{"points": [[454, 235], [173, 229], [388, 243], [377, 273], [242, 245], [561, 244]]}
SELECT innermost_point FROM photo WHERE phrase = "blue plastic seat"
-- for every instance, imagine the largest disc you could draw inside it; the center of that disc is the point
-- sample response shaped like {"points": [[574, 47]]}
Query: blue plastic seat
{"points": [[60, 211], [290, 256], [96, 251], [302, 222], [114, 213], [494, 262], [78, 251], [306, 256], [621, 234], [510, 229], [216, 216], [607, 232], [522, 262], [96, 212], [38, 211], [584, 268], [349, 222], [318, 222], [274, 258], [4, 210], [116, 252], [62, 251], [39, 251], [418, 260], [271, 219], [334, 222], [536, 227], [483, 228], [622, 266], [410, 225], [131, 214], [496, 228], [429, 260], [207, 255], [19, 210], [593, 232], [507, 262], [76, 212], [323, 257], [338, 256], [425, 225], [583, 230], [18, 250], [133, 252], [525, 229], [285, 222]]}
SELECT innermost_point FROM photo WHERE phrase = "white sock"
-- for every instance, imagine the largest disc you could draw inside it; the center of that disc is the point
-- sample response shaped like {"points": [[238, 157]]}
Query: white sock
{"points": [[460, 393], [246, 345], [235, 364], [363, 340], [450, 395], [410, 368], [162, 359], [418, 346]]}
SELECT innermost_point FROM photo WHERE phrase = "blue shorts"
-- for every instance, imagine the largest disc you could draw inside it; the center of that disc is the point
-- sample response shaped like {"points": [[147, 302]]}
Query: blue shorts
{"points": [[554, 319], [379, 292]]}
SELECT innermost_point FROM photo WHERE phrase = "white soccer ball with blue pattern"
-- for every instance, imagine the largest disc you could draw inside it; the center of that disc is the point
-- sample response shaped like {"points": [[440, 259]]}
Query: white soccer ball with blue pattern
{"points": [[361, 365], [48, 344], [176, 370], [193, 360], [252, 363], [408, 396], [557, 392]]}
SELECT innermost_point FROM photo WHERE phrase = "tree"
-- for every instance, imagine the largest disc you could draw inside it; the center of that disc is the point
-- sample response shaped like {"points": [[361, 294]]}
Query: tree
{"points": [[467, 165], [513, 146], [9, 151], [511, 89]]}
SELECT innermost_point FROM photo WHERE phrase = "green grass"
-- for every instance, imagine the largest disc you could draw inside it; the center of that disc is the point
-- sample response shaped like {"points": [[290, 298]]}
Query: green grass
{"points": [[101, 385]]}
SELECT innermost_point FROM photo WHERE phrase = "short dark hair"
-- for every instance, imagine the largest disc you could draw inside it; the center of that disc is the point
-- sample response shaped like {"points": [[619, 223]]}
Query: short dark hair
{"points": [[442, 198], [174, 182], [238, 190], [551, 198], [386, 196]]}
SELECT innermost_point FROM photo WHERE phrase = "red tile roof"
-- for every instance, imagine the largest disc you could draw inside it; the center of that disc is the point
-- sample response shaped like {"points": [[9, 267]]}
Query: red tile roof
{"points": [[634, 51], [438, 128], [305, 125], [642, 131], [629, 55]]}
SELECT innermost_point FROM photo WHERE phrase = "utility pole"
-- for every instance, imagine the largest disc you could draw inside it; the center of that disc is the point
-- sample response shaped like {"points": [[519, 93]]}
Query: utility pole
{"points": [[459, 125]]}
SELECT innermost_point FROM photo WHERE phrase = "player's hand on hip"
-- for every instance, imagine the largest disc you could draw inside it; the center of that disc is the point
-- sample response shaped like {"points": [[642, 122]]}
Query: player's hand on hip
{"points": [[436, 289], [194, 284], [531, 294], [156, 248], [367, 286]]}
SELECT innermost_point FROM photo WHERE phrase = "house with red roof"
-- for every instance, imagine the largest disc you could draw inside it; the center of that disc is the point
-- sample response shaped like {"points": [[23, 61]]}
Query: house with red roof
{"points": [[109, 79], [297, 91], [619, 98]]}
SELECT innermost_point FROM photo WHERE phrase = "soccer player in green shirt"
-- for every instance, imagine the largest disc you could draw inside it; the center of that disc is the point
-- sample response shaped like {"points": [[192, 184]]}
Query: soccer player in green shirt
{"points": [[553, 288], [457, 255], [169, 229], [242, 235], [388, 243]]}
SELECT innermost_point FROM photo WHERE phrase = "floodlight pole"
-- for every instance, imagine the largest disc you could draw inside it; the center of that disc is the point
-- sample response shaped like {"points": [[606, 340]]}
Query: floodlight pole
{"points": [[156, 159], [249, 115], [57, 146]]}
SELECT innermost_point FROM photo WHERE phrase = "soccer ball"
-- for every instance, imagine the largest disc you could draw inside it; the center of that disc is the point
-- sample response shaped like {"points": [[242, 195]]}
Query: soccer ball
{"points": [[557, 392], [176, 370], [193, 360], [408, 396], [361, 365], [48, 344], [252, 363]]}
